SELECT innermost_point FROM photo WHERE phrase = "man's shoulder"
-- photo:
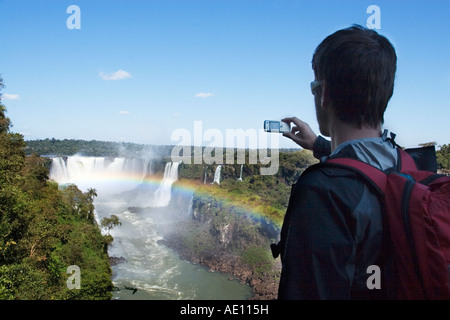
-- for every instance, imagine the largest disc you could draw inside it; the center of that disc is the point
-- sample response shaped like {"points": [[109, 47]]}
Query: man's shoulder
{"points": [[325, 171], [323, 178], [335, 189]]}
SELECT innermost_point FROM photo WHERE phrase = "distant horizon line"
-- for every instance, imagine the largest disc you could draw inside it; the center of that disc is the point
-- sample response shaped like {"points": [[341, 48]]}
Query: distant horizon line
{"points": [[161, 145]]}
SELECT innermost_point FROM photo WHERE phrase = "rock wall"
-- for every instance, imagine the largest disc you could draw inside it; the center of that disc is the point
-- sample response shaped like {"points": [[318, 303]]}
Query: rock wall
{"points": [[228, 239]]}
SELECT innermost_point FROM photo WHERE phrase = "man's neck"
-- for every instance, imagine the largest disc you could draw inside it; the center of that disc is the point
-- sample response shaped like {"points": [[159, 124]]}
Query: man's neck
{"points": [[341, 132]]}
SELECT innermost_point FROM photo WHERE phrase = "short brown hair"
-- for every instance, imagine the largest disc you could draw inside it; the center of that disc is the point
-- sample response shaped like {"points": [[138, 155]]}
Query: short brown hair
{"points": [[358, 66]]}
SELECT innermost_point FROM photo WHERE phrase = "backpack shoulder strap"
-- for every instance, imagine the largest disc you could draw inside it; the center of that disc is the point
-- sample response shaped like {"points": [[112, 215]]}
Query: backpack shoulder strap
{"points": [[406, 162], [378, 177]]}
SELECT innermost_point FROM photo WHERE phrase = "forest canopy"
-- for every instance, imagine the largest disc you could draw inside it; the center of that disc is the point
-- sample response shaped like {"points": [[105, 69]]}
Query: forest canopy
{"points": [[45, 230]]}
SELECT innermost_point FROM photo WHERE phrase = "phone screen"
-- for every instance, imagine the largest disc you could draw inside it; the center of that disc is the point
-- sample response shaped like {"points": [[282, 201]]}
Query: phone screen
{"points": [[274, 125]]}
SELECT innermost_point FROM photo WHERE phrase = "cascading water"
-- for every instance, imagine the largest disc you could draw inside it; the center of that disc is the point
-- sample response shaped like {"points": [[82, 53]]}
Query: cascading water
{"points": [[154, 270], [191, 203], [240, 175], [204, 178], [98, 172], [163, 193], [217, 174]]}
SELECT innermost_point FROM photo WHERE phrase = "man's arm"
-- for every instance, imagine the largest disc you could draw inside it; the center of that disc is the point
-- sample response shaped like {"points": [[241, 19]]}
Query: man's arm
{"points": [[302, 134], [321, 148]]}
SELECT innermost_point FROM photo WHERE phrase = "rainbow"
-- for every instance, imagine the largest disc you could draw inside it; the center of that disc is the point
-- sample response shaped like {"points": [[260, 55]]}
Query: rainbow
{"points": [[255, 210], [187, 187]]}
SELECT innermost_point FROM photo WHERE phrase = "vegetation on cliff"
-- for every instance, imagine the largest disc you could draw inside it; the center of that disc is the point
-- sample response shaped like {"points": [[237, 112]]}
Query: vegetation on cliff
{"points": [[443, 158], [264, 195], [44, 230], [228, 238]]}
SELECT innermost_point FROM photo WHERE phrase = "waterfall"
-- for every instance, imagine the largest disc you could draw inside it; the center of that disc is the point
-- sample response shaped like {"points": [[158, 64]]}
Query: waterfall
{"points": [[58, 171], [204, 179], [240, 176], [112, 175], [163, 193], [142, 167], [217, 174], [191, 204], [100, 172]]}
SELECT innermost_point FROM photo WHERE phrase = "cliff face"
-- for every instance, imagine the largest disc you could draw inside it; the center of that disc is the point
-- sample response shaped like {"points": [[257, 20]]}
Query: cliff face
{"points": [[228, 239]]}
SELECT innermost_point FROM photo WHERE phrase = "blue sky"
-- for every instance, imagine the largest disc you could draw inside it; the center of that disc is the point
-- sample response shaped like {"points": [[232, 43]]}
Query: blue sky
{"points": [[137, 70]]}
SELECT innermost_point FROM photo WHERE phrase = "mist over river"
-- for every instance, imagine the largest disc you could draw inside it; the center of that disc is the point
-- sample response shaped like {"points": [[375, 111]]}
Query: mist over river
{"points": [[147, 208]]}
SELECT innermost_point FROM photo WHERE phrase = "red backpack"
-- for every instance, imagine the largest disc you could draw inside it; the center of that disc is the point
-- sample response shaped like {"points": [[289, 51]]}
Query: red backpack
{"points": [[418, 214]]}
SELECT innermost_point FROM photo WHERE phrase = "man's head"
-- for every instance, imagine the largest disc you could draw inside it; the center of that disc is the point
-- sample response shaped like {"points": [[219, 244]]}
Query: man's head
{"points": [[356, 66]]}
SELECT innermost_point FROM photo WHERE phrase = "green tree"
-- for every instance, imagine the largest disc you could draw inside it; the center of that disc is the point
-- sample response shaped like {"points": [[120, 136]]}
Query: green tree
{"points": [[43, 229], [4, 121], [90, 195], [443, 158], [110, 222]]}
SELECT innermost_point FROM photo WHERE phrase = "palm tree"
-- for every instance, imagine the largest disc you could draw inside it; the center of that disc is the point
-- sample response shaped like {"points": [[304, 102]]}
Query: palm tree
{"points": [[90, 194]]}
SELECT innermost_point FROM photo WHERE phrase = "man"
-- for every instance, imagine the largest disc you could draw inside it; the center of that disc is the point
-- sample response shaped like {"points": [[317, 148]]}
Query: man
{"points": [[333, 228]]}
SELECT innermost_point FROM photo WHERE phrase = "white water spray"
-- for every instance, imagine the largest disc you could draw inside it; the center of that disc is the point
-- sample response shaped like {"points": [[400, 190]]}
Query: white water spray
{"points": [[204, 175], [163, 193], [100, 172], [217, 174], [240, 176]]}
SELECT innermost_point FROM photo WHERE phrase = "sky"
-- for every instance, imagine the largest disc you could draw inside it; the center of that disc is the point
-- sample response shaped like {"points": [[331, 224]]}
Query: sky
{"points": [[138, 71]]}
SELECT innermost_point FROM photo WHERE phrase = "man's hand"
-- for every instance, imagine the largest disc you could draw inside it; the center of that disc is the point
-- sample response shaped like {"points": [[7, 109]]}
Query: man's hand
{"points": [[301, 133]]}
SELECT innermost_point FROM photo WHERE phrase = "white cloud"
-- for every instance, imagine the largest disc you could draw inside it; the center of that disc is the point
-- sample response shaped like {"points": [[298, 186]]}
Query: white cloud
{"points": [[10, 96], [118, 75], [124, 112], [204, 95], [176, 114]]}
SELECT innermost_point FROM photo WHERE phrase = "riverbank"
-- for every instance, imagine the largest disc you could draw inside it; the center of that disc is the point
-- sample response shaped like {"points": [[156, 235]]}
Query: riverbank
{"points": [[264, 285], [227, 239]]}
